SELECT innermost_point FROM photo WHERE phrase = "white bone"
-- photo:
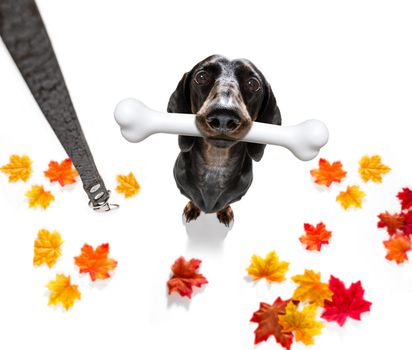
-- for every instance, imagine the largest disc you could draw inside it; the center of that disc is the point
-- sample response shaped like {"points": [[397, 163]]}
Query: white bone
{"points": [[137, 122]]}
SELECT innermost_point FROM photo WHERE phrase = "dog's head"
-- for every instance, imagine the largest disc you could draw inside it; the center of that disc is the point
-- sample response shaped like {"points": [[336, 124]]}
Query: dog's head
{"points": [[226, 96]]}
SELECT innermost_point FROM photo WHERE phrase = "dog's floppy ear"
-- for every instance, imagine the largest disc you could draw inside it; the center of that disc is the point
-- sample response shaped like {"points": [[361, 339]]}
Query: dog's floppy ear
{"points": [[270, 114], [179, 102]]}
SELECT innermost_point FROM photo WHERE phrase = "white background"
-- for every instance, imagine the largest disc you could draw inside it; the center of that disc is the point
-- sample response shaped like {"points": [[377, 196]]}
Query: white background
{"points": [[347, 63]]}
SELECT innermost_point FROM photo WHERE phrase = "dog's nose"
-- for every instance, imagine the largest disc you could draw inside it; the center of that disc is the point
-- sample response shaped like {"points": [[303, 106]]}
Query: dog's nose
{"points": [[223, 122]]}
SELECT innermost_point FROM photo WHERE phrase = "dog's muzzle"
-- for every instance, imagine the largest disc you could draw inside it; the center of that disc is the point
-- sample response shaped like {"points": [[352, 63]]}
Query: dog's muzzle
{"points": [[223, 123]]}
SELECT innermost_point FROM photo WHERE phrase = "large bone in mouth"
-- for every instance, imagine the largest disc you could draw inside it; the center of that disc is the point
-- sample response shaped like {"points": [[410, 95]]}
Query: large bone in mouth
{"points": [[137, 122]]}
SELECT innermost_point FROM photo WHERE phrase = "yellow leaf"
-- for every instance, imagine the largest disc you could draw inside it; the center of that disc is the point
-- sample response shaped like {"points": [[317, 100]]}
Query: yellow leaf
{"points": [[39, 197], [371, 168], [302, 324], [311, 288], [62, 291], [19, 168], [270, 268], [351, 197], [47, 248], [127, 185]]}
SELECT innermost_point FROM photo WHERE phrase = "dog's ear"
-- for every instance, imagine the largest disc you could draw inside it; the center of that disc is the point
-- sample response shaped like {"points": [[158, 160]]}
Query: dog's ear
{"points": [[179, 102], [269, 113]]}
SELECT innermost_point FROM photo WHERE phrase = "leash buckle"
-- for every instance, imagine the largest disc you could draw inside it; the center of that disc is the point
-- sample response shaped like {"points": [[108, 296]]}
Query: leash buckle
{"points": [[104, 205]]}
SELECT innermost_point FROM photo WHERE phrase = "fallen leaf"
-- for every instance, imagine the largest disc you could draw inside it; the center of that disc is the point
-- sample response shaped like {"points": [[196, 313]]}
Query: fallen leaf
{"points": [[352, 197], [39, 197], [62, 291], [328, 173], [267, 318], [19, 168], [371, 168], [185, 277], [270, 268], [405, 197], [302, 324], [345, 302], [95, 262], [392, 222], [127, 185], [397, 247], [47, 248], [311, 288], [407, 224], [315, 236], [63, 173]]}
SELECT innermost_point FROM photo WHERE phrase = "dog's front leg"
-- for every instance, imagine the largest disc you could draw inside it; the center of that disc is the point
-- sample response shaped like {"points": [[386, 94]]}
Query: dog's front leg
{"points": [[191, 212], [225, 216]]}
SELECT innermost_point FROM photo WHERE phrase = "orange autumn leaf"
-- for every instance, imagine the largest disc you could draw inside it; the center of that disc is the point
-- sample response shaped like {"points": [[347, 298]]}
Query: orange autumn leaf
{"points": [[315, 236], [185, 277], [328, 173], [62, 291], [95, 262], [392, 222], [397, 247], [352, 197], [47, 248], [38, 197], [269, 267], [128, 185], [302, 324], [63, 173], [311, 288], [371, 168], [19, 168]]}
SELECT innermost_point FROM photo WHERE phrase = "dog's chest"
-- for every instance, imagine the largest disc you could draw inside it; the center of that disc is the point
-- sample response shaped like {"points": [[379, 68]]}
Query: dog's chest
{"points": [[213, 180], [216, 176], [220, 167]]}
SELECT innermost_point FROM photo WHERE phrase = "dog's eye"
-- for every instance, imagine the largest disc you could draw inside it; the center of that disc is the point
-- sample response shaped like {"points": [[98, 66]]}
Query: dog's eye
{"points": [[253, 85], [202, 78]]}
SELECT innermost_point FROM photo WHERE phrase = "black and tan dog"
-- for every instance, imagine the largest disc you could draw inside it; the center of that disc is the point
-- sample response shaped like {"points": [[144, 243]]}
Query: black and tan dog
{"points": [[215, 170]]}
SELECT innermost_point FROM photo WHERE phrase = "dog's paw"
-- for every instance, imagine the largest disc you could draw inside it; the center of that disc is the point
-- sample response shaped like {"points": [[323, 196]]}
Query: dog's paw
{"points": [[226, 216], [191, 212]]}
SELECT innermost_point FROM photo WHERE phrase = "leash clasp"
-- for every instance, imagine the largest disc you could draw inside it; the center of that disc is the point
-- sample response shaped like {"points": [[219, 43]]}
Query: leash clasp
{"points": [[104, 205]]}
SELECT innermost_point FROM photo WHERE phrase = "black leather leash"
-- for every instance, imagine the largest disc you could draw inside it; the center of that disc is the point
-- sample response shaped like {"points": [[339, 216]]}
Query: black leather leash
{"points": [[23, 31]]}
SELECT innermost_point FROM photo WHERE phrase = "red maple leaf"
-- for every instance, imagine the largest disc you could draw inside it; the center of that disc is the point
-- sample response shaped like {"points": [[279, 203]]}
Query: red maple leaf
{"points": [[407, 226], [64, 173], [405, 197], [345, 302], [315, 236], [398, 246], [392, 222], [268, 319], [185, 277]]}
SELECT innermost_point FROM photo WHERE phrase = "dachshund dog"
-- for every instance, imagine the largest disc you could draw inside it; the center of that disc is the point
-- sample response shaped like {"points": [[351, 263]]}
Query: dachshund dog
{"points": [[215, 170]]}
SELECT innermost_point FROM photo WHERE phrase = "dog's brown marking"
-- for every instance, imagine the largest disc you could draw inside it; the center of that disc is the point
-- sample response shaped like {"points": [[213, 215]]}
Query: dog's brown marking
{"points": [[191, 212], [230, 91], [225, 216], [215, 157]]}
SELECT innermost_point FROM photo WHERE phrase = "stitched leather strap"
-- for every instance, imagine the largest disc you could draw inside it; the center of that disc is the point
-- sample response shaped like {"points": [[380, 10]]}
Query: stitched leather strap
{"points": [[26, 38]]}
